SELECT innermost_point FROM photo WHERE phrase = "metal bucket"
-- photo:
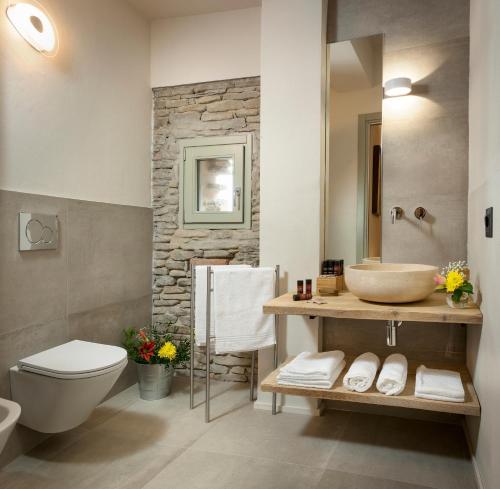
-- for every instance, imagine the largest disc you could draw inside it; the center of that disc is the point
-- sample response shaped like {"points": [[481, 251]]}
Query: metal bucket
{"points": [[155, 381]]}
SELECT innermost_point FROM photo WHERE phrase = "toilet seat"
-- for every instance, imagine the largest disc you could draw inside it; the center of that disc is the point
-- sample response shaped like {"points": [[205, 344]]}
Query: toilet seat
{"points": [[75, 360]]}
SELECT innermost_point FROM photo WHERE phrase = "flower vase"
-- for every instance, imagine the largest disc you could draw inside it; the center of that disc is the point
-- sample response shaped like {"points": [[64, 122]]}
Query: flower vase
{"points": [[155, 380], [461, 304]]}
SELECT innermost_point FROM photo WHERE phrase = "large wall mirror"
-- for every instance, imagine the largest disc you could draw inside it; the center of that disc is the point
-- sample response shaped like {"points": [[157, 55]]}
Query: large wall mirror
{"points": [[354, 157]]}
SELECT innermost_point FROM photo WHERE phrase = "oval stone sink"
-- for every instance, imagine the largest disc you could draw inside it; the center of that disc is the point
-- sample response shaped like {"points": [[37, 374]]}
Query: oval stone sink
{"points": [[391, 282]]}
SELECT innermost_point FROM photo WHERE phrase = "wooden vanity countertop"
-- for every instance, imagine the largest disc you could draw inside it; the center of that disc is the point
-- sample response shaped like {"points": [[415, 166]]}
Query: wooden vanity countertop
{"points": [[433, 309]]}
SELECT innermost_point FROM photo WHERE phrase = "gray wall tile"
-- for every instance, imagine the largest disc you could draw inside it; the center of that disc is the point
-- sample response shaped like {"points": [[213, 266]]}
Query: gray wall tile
{"points": [[32, 284], [95, 284], [109, 249], [425, 153], [406, 23]]}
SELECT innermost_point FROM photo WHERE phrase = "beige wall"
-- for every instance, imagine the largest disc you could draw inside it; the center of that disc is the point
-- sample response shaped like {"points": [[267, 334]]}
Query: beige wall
{"points": [[484, 253], [345, 107], [201, 48], [78, 125], [292, 159]]}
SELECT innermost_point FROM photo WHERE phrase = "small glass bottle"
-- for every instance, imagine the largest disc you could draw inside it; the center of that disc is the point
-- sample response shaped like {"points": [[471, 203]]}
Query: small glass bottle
{"points": [[308, 288], [300, 287]]}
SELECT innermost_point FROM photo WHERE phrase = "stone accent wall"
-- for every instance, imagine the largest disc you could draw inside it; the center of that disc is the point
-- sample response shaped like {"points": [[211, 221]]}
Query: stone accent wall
{"points": [[187, 111]]}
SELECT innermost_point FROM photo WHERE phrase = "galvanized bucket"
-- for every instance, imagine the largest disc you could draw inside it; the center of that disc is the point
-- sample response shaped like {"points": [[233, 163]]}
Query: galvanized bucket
{"points": [[155, 381]]}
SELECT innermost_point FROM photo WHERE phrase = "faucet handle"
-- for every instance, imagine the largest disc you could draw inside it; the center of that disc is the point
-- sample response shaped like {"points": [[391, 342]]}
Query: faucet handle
{"points": [[396, 213], [420, 213]]}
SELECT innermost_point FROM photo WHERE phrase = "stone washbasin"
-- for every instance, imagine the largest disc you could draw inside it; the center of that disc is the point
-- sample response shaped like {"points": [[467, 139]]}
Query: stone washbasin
{"points": [[391, 282]]}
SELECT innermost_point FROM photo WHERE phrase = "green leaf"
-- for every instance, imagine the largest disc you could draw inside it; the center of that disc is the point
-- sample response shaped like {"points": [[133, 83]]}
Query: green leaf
{"points": [[457, 295], [467, 287]]}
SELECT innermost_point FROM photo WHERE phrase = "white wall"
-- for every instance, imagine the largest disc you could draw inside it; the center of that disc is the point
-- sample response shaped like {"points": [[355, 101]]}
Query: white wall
{"points": [[292, 159], [208, 47], [343, 179], [484, 253], [78, 125]]}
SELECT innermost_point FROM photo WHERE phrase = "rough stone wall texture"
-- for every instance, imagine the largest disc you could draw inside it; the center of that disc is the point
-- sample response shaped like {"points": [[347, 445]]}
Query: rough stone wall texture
{"points": [[187, 111]]}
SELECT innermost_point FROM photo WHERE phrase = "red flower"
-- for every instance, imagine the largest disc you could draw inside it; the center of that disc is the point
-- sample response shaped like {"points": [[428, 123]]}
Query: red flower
{"points": [[147, 350]]}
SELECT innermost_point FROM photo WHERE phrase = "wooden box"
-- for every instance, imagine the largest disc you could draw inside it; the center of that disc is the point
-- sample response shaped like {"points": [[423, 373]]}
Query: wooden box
{"points": [[329, 284]]}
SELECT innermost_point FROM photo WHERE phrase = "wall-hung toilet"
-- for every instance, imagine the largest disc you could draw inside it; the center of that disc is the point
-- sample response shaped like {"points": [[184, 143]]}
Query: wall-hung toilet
{"points": [[59, 388]]}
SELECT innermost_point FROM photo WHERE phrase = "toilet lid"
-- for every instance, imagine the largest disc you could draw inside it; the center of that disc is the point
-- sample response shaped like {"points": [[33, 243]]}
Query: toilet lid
{"points": [[75, 358]]}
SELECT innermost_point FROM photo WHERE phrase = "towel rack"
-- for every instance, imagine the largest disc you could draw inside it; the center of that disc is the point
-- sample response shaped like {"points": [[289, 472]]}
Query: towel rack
{"points": [[208, 338]]}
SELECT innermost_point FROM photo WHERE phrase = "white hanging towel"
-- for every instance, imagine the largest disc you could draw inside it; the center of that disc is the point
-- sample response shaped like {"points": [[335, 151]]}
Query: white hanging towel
{"points": [[313, 365], [392, 378], [439, 385], [239, 294], [362, 372], [200, 302], [308, 381]]}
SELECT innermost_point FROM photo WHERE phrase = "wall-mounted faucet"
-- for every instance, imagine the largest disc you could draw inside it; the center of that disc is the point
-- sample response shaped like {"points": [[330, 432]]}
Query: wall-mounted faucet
{"points": [[396, 213]]}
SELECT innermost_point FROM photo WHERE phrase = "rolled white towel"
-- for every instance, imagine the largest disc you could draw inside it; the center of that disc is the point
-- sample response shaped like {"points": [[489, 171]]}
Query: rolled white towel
{"points": [[362, 372], [439, 385], [314, 365], [323, 383], [392, 378]]}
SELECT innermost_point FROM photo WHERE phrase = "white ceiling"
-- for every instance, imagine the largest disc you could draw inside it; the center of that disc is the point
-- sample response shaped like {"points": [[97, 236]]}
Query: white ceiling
{"points": [[161, 9]]}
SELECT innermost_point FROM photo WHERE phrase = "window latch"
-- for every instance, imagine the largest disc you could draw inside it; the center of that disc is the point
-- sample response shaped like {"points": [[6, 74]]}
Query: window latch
{"points": [[237, 198]]}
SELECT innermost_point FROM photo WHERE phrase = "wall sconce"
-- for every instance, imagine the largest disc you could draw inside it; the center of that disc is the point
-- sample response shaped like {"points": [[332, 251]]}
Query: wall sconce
{"points": [[34, 26], [395, 87]]}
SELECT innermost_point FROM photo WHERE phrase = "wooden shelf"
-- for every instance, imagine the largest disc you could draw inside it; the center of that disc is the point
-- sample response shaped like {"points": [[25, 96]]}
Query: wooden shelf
{"points": [[406, 399], [433, 309]]}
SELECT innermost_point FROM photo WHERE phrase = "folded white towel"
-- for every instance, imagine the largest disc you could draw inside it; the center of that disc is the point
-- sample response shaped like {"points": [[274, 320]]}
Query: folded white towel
{"points": [[313, 365], [284, 379], [361, 373], [200, 301], [439, 385], [392, 378], [239, 294]]}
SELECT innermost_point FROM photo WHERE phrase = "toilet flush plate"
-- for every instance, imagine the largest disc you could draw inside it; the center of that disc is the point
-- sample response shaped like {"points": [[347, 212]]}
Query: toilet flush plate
{"points": [[38, 231]]}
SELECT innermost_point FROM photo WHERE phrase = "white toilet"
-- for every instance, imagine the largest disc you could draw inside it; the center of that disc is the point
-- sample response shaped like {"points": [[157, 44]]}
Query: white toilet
{"points": [[59, 388]]}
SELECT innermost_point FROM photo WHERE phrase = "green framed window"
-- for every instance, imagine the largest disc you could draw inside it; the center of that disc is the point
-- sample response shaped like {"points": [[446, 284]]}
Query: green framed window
{"points": [[216, 182]]}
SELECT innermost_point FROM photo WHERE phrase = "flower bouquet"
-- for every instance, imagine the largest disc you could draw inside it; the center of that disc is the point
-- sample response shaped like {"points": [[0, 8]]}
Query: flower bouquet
{"points": [[454, 280], [155, 354]]}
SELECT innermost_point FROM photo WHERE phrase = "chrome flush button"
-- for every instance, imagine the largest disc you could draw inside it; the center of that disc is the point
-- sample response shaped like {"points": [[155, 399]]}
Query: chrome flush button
{"points": [[38, 232]]}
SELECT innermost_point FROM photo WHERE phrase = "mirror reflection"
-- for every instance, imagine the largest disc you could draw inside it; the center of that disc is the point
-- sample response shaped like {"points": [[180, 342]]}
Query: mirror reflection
{"points": [[355, 150]]}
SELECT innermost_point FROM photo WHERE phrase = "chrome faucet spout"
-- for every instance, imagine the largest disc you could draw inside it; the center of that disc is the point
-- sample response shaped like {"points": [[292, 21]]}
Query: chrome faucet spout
{"points": [[396, 213]]}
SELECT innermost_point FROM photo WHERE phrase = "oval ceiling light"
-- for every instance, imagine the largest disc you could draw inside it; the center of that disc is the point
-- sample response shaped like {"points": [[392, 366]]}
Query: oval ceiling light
{"points": [[397, 87], [34, 26]]}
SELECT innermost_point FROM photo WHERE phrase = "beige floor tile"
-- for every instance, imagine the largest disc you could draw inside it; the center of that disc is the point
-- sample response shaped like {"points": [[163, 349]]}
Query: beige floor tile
{"points": [[285, 437], [416, 452], [333, 479], [202, 470], [113, 461], [170, 421], [129, 444]]}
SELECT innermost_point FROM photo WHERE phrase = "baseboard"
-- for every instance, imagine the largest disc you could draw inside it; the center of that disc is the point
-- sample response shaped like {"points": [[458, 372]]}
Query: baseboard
{"points": [[477, 473]]}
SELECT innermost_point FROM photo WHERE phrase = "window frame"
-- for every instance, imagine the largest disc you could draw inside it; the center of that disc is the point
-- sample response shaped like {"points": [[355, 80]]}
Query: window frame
{"points": [[237, 146]]}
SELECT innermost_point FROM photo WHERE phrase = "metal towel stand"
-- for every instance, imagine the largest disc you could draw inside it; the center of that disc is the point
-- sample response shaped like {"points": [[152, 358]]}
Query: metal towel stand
{"points": [[208, 338]]}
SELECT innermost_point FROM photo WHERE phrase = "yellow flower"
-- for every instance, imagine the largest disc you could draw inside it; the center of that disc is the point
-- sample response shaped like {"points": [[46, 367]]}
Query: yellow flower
{"points": [[454, 280], [168, 350]]}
